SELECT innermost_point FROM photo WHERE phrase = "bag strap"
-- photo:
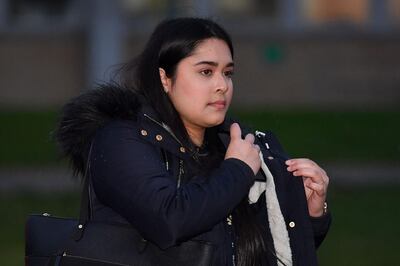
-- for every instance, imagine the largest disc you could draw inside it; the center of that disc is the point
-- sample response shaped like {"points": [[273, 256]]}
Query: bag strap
{"points": [[85, 201]]}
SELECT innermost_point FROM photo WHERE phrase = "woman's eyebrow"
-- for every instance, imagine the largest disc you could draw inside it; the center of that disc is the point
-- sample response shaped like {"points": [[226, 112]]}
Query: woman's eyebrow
{"points": [[212, 63]]}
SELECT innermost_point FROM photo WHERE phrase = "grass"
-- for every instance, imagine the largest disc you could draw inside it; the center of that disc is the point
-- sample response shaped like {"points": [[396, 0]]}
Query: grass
{"points": [[364, 230], [365, 227], [333, 136], [25, 137]]}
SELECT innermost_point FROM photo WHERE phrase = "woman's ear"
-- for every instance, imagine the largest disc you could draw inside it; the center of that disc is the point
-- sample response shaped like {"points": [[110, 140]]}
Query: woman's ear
{"points": [[165, 81]]}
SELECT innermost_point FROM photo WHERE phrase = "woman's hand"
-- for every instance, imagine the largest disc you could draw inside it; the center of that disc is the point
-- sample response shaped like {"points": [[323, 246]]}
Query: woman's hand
{"points": [[243, 149], [315, 181]]}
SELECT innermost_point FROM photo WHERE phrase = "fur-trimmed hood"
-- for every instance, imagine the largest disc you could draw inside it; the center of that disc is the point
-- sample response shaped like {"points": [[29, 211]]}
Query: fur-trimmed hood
{"points": [[82, 116]]}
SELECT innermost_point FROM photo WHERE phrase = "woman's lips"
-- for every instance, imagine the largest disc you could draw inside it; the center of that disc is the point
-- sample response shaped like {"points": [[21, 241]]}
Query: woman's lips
{"points": [[218, 104]]}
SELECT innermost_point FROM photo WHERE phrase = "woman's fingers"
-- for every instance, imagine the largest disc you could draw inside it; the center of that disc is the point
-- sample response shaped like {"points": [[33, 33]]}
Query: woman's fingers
{"points": [[315, 177], [315, 182], [243, 149], [315, 174], [249, 138], [318, 188], [235, 131], [307, 168], [301, 162]]}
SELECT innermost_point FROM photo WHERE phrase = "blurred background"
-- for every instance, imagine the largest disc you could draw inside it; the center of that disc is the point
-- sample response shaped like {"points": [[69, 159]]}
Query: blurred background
{"points": [[324, 75]]}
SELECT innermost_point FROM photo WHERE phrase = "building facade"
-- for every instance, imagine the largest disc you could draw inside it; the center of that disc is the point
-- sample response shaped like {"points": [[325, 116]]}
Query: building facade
{"points": [[316, 53]]}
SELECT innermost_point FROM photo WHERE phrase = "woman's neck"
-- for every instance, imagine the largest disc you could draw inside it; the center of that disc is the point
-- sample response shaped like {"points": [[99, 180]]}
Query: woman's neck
{"points": [[196, 134]]}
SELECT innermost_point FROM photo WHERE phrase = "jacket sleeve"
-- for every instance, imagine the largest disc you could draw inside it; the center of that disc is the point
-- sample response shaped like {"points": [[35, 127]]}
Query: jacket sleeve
{"points": [[129, 176], [320, 227]]}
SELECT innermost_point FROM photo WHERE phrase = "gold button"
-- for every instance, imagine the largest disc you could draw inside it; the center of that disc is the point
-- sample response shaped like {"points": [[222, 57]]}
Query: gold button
{"points": [[143, 132], [270, 158], [292, 224], [159, 137], [182, 149]]}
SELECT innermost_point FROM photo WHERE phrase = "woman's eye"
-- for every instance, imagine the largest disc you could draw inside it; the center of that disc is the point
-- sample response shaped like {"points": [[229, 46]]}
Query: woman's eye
{"points": [[206, 72], [229, 73]]}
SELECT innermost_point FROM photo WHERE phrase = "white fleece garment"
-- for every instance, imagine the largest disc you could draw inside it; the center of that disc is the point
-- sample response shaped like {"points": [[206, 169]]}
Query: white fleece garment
{"points": [[277, 224]]}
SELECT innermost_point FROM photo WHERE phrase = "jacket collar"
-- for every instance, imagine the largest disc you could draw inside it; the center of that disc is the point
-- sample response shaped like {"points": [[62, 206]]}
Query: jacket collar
{"points": [[159, 134], [153, 130]]}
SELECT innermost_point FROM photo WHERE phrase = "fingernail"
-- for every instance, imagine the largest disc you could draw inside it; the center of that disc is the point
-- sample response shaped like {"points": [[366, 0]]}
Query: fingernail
{"points": [[287, 162], [289, 168]]}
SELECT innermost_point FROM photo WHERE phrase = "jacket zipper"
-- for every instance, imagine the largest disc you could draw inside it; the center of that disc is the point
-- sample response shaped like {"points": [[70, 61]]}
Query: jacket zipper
{"points": [[181, 172], [168, 129]]}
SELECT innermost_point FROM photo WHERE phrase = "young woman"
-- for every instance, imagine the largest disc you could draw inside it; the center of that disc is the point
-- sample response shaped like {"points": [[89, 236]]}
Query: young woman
{"points": [[166, 160]]}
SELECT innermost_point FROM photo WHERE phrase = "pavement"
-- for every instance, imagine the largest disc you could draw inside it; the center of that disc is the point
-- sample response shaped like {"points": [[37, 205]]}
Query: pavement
{"points": [[37, 179], [363, 174], [60, 179]]}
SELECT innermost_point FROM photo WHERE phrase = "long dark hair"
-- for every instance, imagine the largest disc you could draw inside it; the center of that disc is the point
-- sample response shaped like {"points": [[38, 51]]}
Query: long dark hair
{"points": [[172, 41]]}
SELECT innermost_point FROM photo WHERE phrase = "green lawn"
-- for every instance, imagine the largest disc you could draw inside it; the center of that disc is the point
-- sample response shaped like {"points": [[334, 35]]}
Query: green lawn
{"points": [[333, 136], [365, 227], [25, 137], [364, 230]]}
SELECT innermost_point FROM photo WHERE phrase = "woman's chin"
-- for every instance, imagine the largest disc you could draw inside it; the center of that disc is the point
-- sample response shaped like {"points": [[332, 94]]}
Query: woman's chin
{"points": [[215, 121]]}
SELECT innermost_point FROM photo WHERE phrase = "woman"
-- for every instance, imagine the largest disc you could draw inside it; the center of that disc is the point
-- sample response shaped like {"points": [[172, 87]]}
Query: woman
{"points": [[165, 158]]}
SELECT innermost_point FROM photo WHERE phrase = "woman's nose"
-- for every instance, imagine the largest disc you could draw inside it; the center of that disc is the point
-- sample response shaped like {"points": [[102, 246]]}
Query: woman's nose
{"points": [[221, 84]]}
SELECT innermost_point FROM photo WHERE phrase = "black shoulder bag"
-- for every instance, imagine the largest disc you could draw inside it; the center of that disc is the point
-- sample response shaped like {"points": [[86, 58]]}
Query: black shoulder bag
{"points": [[54, 241]]}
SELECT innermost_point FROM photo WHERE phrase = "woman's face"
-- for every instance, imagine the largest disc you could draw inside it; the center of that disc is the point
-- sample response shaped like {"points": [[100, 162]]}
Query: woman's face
{"points": [[201, 90]]}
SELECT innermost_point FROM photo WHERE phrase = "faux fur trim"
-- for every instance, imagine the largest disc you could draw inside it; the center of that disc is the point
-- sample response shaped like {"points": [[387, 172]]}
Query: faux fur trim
{"points": [[255, 191], [84, 115], [276, 221]]}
